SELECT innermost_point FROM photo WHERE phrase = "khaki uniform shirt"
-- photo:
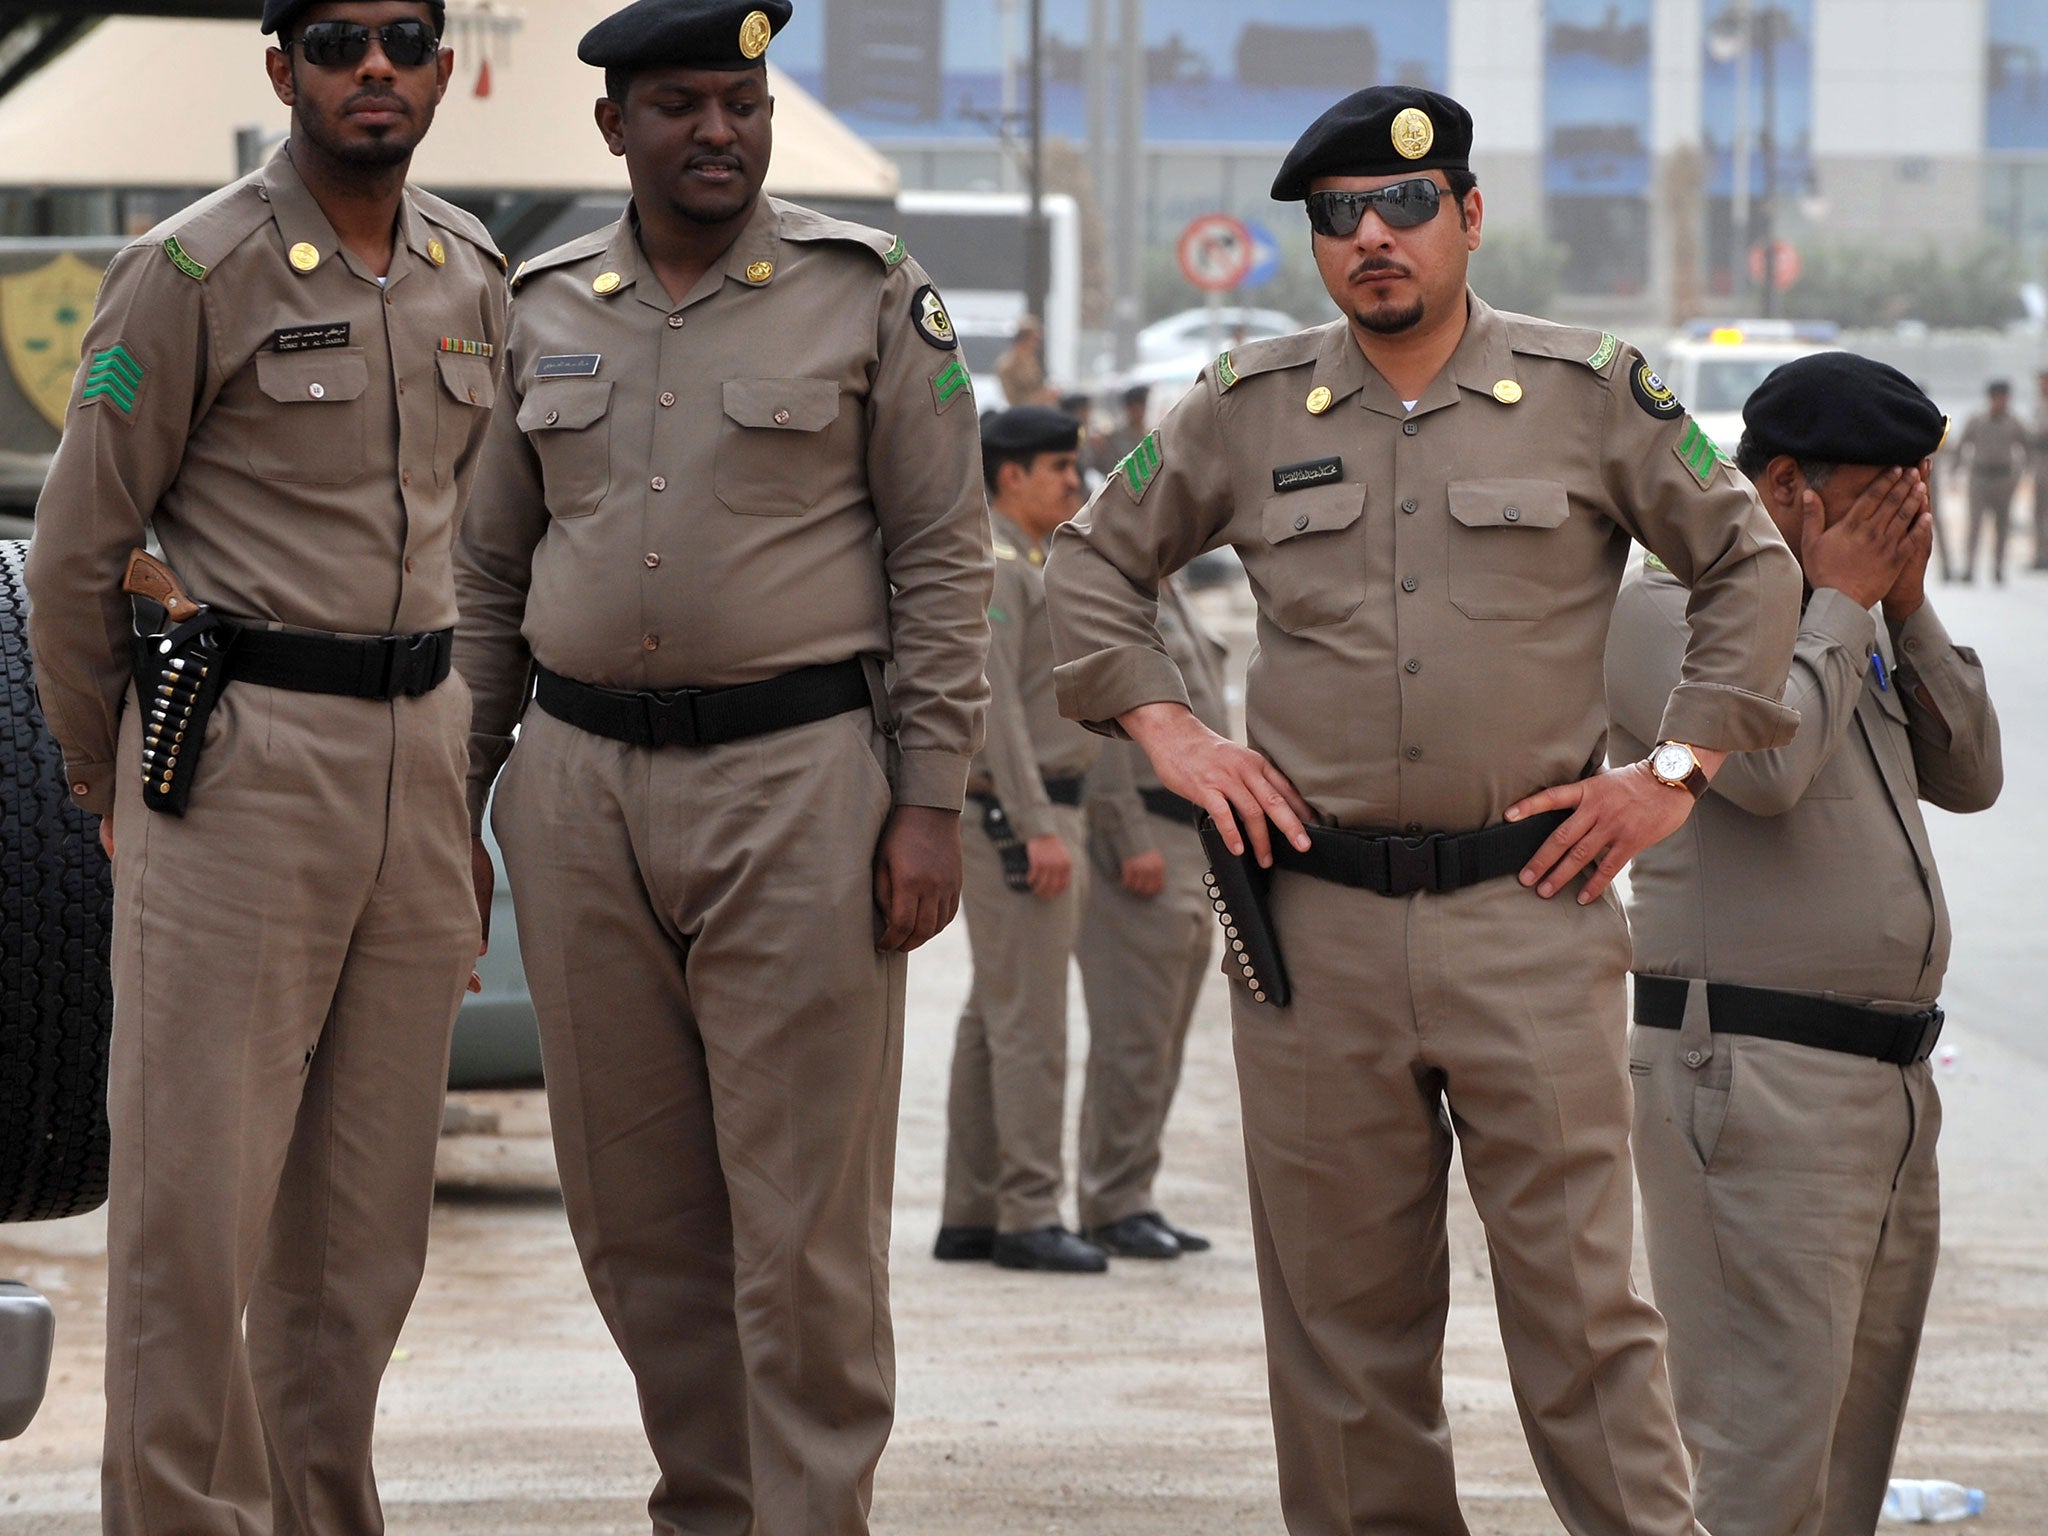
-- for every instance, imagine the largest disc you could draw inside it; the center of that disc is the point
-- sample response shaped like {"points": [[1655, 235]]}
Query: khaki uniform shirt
{"points": [[1433, 587], [689, 494], [300, 437], [1114, 800], [1807, 868], [1995, 448], [1028, 740]]}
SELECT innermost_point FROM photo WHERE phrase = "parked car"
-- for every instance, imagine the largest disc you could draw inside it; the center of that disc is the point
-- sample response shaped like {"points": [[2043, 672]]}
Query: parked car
{"points": [[1204, 332]]}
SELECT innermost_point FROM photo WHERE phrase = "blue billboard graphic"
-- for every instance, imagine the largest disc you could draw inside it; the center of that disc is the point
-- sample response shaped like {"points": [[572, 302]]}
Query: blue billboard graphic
{"points": [[1596, 97], [1781, 36], [936, 69], [2016, 75]]}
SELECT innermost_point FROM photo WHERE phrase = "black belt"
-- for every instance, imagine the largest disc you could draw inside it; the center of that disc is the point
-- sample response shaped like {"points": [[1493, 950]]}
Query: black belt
{"points": [[1164, 802], [705, 717], [1899, 1038], [1436, 862], [389, 667]]}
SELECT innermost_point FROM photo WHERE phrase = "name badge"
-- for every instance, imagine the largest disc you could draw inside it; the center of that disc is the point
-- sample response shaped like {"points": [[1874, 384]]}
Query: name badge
{"points": [[1299, 477], [310, 338], [568, 365]]}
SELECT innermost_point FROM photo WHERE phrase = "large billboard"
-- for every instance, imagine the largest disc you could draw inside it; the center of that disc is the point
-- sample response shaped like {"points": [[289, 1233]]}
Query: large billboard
{"points": [[2016, 75], [1218, 71]]}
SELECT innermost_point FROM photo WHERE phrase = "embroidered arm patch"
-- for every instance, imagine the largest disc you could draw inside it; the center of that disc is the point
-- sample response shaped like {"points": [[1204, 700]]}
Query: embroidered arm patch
{"points": [[115, 377]]}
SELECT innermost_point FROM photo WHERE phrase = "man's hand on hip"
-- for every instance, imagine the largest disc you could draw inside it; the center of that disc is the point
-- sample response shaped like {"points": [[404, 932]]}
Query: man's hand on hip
{"points": [[917, 875], [1615, 816], [1234, 784]]}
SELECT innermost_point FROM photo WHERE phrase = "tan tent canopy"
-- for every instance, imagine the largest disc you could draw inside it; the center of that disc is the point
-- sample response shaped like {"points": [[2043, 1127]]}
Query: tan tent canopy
{"points": [[151, 103]]}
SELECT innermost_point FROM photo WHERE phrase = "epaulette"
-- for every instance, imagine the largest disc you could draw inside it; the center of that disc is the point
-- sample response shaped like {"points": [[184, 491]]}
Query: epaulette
{"points": [[797, 222], [197, 239], [582, 248], [1532, 337], [457, 221], [1004, 550], [1268, 355]]}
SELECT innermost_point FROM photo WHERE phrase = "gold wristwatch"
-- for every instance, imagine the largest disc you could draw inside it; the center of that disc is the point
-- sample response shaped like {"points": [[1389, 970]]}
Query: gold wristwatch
{"points": [[1676, 764]]}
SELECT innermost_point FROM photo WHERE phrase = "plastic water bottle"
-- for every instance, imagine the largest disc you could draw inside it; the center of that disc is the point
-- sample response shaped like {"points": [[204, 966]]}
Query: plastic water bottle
{"points": [[1930, 1501]]}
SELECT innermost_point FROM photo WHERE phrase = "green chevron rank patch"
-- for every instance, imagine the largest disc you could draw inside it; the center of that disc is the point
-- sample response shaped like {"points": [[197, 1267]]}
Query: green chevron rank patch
{"points": [[949, 384], [1700, 454], [113, 376], [1140, 467]]}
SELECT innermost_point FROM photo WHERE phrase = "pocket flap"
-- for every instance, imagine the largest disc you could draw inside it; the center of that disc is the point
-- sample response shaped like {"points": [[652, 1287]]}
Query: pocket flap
{"points": [[469, 379], [1322, 510], [564, 405], [790, 405], [313, 378], [1510, 503]]}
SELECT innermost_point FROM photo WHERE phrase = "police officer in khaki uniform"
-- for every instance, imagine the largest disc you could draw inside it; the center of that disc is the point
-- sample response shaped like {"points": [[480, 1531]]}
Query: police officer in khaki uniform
{"points": [[1146, 935], [734, 478], [1789, 952], [1027, 877], [1434, 503], [287, 383], [1994, 450]]}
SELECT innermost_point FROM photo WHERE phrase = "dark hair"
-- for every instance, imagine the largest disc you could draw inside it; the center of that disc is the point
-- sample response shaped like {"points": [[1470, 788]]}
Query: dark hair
{"points": [[1138, 394], [1751, 457], [1461, 182]]}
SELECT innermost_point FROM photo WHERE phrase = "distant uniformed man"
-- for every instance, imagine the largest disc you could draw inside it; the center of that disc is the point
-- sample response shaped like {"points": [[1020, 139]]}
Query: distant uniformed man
{"points": [[1434, 502], [1027, 877], [1994, 453], [729, 534], [1789, 954], [287, 383], [2039, 449], [1147, 933], [1021, 368]]}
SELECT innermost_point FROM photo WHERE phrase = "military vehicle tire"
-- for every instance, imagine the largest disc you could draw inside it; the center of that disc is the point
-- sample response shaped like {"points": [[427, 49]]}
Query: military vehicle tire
{"points": [[56, 920]]}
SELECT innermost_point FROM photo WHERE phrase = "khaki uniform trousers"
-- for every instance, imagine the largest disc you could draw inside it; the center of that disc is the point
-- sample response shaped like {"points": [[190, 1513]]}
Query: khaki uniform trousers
{"points": [[288, 959], [1990, 507], [1006, 1108], [1143, 962], [724, 1056], [1792, 1214], [1501, 1015]]}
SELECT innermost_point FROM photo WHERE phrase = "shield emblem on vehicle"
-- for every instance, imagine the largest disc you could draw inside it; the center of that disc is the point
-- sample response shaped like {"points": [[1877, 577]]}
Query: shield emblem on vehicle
{"points": [[43, 316]]}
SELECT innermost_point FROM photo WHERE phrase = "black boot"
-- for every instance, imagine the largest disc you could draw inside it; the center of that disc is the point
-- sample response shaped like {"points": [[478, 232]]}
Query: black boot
{"points": [[1135, 1237], [1049, 1248], [1190, 1242], [956, 1243]]}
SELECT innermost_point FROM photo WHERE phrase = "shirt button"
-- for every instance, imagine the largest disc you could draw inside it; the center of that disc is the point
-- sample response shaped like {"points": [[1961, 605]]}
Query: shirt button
{"points": [[650, 642], [1408, 583], [1693, 1058], [1513, 514], [553, 417], [675, 322], [81, 789], [782, 418], [1412, 828], [1410, 428], [1411, 665], [1408, 505], [408, 565], [1301, 522], [1414, 753], [668, 397], [405, 477], [653, 560], [659, 482], [317, 391]]}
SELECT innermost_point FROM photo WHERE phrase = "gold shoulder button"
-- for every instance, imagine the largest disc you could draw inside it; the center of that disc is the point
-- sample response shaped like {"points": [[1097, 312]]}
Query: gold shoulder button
{"points": [[760, 271], [305, 257], [1507, 391], [1319, 400], [605, 282], [437, 253]]}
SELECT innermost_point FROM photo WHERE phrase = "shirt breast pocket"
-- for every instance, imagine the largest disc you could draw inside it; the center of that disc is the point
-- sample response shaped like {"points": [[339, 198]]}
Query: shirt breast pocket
{"points": [[567, 421], [1308, 572], [462, 408], [1506, 548], [317, 435], [774, 459]]}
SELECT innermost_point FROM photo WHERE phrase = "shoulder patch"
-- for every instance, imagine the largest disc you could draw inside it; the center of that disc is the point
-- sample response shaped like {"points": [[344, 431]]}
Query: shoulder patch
{"points": [[928, 314], [1655, 563], [182, 262], [114, 376], [1140, 467], [1699, 453], [893, 257], [1226, 374], [949, 384], [1604, 353], [1653, 394]]}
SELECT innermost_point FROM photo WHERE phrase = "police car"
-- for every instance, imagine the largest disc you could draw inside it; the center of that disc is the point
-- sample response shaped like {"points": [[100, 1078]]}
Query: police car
{"points": [[1713, 366]]}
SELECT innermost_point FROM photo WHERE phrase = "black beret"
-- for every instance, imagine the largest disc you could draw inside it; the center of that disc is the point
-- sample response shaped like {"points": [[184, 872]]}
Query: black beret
{"points": [[279, 14], [1030, 429], [1838, 408], [694, 34], [1382, 130]]}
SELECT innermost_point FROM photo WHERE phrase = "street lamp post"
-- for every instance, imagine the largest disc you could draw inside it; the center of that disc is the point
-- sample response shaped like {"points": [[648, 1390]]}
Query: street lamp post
{"points": [[1036, 278]]}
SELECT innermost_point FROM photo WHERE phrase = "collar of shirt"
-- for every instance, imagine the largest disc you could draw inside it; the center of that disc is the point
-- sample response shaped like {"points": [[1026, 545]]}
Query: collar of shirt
{"points": [[759, 241], [1483, 360], [301, 221]]}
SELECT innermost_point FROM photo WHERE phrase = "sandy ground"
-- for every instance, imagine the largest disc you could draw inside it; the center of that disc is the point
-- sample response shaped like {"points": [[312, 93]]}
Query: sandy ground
{"points": [[1133, 1403]]}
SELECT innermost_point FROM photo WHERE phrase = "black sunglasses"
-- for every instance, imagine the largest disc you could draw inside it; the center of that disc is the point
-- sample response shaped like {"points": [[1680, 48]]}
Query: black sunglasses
{"points": [[342, 44], [1402, 206]]}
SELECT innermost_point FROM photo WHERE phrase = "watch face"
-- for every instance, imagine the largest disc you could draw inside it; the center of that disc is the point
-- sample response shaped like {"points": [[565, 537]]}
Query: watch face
{"points": [[1671, 762]]}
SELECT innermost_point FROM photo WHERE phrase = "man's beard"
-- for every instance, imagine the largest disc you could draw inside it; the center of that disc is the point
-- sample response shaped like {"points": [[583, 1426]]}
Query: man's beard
{"points": [[1389, 322], [391, 148]]}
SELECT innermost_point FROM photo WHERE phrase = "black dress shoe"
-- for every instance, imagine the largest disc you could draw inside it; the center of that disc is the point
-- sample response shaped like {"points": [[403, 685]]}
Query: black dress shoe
{"points": [[1190, 1242], [1135, 1237], [965, 1243], [1051, 1248]]}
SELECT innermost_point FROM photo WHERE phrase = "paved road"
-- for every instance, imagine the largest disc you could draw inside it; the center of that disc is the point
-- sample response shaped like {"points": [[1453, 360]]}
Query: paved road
{"points": [[1135, 1403]]}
